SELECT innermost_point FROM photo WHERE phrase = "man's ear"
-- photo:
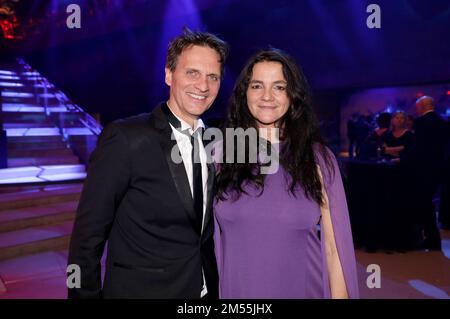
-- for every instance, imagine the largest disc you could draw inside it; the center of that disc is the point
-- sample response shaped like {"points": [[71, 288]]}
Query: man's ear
{"points": [[168, 78]]}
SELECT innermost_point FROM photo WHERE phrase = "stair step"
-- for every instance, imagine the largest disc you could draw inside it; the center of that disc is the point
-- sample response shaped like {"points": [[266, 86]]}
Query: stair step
{"points": [[34, 139], [7, 173], [25, 277], [30, 108], [24, 146], [18, 107], [27, 125], [80, 131], [27, 181], [10, 68], [70, 116], [10, 189], [33, 240], [56, 152], [10, 77], [11, 117], [21, 90], [40, 161], [63, 177], [30, 267], [72, 123], [45, 131], [7, 99], [61, 169], [45, 196], [16, 219], [26, 87], [26, 80], [13, 93], [29, 120]]}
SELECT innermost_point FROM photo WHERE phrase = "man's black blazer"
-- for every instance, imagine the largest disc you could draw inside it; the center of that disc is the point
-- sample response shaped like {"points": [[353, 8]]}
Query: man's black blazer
{"points": [[139, 200], [429, 145]]}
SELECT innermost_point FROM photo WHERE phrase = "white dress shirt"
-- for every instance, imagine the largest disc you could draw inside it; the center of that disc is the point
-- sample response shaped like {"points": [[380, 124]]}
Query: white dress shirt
{"points": [[185, 146]]}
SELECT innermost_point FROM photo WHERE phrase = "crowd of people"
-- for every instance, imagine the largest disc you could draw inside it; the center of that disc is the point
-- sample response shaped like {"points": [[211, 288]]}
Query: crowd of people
{"points": [[421, 147], [387, 137]]}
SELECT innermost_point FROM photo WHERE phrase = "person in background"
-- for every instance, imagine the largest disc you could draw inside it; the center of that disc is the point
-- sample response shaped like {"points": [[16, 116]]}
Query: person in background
{"points": [[383, 123], [352, 135], [399, 139], [372, 146], [362, 128], [426, 161], [444, 204], [410, 122]]}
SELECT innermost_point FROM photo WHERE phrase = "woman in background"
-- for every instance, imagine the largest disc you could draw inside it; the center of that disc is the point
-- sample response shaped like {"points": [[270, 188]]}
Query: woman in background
{"points": [[266, 225], [399, 139], [372, 146]]}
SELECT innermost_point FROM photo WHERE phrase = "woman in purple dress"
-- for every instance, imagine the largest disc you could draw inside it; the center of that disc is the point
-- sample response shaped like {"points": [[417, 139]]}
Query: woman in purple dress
{"points": [[272, 240]]}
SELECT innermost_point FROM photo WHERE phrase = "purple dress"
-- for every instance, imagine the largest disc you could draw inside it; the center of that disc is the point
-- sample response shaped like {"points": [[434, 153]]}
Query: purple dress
{"points": [[268, 246]]}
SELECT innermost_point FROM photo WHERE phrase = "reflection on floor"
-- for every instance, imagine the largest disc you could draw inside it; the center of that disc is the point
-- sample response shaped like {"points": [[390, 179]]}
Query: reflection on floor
{"points": [[417, 275]]}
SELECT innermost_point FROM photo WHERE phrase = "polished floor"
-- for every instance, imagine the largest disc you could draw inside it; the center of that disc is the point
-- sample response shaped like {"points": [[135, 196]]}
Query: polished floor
{"points": [[410, 275]]}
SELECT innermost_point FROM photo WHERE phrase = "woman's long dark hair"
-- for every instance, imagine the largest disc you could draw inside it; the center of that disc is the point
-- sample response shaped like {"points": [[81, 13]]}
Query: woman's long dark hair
{"points": [[299, 133]]}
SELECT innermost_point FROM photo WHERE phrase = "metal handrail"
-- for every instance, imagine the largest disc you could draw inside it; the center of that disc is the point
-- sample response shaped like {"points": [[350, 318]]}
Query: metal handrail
{"points": [[88, 121]]}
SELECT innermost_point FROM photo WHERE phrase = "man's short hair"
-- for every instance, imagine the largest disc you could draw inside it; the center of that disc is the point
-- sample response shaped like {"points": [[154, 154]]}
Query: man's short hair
{"points": [[426, 101], [190, 38]]}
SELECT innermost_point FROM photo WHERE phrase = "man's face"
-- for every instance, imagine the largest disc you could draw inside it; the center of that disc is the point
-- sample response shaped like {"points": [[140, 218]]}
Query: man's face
{"points": [[399, 120], [194, 83]]}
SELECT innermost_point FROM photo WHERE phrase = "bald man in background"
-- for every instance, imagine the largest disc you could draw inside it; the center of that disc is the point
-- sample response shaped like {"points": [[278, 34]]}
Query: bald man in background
{"points": [[427, 159]]}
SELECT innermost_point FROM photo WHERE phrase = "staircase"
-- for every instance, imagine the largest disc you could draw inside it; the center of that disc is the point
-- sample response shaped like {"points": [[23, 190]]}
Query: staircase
{"points": [[37, 220], [49, 140], [35, 227], [48, 137]]}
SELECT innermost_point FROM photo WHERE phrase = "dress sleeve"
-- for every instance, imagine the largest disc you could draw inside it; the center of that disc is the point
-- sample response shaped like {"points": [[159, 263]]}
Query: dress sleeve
{"points": [[216, 155], [218, 250], [341, 227]]}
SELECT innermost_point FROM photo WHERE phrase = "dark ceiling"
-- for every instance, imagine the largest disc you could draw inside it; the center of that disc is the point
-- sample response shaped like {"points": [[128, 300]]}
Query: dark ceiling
{"points": [[118, 54], [329, 38]]}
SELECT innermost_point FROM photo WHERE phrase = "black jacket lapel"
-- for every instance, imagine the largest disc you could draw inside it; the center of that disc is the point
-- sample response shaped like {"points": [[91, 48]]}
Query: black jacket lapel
{"points": [[177, 170]]}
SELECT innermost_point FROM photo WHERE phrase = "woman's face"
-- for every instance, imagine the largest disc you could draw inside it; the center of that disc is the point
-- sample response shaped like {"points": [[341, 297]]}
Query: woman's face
{"points": [[399, 120], [267, 97]]}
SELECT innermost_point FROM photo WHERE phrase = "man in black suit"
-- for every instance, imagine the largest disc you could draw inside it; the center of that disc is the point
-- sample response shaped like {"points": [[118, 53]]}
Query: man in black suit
{"points": [[154, 210], [444, 204], [428, 153]]}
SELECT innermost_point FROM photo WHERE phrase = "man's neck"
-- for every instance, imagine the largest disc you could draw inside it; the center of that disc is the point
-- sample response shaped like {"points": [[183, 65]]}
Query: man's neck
{"points": [[187, 120], [426, 112]]}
